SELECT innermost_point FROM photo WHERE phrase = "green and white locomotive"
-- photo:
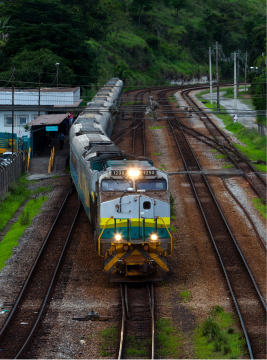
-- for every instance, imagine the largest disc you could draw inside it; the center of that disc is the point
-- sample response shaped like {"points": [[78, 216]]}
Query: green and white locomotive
{"points": [[126, 198]]}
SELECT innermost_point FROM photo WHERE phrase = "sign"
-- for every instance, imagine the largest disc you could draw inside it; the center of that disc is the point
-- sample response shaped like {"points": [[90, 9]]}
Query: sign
{"points": [[51, 128], [118, 172], [149, 172], [19, 133]]}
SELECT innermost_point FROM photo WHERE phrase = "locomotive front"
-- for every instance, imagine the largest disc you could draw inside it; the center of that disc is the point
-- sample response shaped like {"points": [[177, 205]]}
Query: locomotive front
{"points": [[134, 221]]}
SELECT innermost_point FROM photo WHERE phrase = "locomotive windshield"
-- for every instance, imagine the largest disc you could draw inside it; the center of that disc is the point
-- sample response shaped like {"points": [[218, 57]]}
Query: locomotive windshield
{"points": [[116, 185], [154, 185]]}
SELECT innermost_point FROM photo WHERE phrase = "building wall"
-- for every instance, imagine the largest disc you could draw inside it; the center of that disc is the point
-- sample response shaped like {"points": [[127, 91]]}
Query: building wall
{"points": [[21, 118], [46, 98]]}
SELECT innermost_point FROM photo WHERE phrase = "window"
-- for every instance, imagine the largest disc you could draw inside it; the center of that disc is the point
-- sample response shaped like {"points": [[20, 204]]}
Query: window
{"points": [[8, 121], [22, 120], [116, 185], [152, 185]]}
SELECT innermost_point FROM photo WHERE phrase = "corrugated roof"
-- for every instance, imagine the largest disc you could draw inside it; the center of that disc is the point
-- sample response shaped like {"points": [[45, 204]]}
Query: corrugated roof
{"points": [[51, 90], [53, 119]]}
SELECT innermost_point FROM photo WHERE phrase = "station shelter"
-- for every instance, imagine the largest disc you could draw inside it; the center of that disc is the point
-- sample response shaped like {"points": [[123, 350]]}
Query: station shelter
{"points": [[45, 131]]}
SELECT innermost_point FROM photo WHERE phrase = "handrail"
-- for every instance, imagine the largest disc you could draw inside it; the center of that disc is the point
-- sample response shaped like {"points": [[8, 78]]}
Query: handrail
{"points": [[29, 157], [158, 217], [51, 160], [102, 234]]}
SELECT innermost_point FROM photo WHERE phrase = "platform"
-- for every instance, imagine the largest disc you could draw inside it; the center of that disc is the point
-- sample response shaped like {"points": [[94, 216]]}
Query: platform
{"points": [[40, 161]]}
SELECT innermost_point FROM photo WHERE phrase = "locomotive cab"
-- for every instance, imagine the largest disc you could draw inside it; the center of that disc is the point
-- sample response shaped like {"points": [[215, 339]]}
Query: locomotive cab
{"points": [[135, 237]]}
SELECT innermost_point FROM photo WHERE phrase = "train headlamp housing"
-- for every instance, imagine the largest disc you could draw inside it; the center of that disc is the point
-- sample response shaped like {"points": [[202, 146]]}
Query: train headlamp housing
{"points": [[118, 237], [154, 237], [134, 173]]}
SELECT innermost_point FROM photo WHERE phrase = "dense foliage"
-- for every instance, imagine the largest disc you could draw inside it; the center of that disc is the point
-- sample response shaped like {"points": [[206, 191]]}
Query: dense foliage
{"points": [[143, 41]]}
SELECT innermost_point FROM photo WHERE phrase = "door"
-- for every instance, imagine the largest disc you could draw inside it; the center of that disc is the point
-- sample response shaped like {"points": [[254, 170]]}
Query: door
{"points": [[146, 206]]}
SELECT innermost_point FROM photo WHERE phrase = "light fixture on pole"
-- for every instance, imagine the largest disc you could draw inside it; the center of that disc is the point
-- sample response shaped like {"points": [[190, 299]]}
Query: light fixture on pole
{"points": [[57, 65]]}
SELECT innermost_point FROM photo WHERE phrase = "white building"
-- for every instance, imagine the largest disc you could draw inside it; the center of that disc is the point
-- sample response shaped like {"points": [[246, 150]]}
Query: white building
{"points": [[53, 97]]}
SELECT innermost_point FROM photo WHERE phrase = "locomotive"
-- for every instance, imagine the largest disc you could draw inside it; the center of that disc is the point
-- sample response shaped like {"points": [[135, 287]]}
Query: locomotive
{"points": [[125, 197]]}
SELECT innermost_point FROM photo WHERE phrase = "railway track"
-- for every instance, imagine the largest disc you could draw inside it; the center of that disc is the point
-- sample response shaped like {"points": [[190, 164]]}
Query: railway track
{"points": [[26, 314], [247, 298], [255, 179], [137, 331]]}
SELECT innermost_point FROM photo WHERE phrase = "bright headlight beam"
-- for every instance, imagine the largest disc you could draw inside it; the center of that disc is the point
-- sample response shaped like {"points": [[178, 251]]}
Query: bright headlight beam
{"points": [[134, 173], [154, 237], [117, 237]]}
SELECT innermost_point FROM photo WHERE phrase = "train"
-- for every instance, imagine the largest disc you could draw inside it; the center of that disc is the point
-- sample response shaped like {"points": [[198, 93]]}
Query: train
{"points": [[125, 197]]}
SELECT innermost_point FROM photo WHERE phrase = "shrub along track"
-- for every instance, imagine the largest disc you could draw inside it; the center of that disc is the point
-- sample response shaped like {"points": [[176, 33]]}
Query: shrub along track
{"points": [[24, 318], [248, 300]]}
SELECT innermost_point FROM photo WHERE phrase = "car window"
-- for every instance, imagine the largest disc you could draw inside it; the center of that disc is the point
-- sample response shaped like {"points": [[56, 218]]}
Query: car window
{"points": [[116, 185], [152, 185]]}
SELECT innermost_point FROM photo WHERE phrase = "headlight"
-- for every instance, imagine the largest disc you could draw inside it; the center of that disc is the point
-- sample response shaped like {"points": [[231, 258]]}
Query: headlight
{"points": [[118, 237], [154, 237], [134, 173]]}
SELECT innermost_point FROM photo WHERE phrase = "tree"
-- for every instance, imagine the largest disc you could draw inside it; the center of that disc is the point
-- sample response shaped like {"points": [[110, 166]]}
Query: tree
{"points": [[139, 5], [47, 24], [4, 28], [29, 63]]}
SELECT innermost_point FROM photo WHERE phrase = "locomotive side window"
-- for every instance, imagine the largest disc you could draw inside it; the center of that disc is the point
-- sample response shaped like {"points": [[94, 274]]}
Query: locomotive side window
{"points": [[152, 185], [115, 185]]}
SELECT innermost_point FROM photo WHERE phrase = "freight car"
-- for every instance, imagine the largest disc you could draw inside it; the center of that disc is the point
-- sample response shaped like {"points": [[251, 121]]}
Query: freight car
{"points": [[125, 197]]}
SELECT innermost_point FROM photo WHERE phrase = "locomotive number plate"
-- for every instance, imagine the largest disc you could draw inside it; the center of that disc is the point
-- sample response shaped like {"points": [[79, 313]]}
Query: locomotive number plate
{"points": [[149, 172], [118, 172]]}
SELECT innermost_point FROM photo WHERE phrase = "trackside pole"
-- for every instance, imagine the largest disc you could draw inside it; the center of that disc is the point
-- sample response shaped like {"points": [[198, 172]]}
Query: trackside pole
{"points": [[210, 76]]}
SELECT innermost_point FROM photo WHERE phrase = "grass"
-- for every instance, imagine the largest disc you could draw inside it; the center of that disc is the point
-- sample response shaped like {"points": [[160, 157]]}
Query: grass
{"points": [[163, 167], [186, 295], [15, 197], [137, 347], [169, 340], [216, 337], [173, 228], [255, 145], [229, 166], [172, 98], [109, 338], [260, 206], [156, 127], [158, 154], [172, 199], [43, 189], [10, 240], [220, 156]]}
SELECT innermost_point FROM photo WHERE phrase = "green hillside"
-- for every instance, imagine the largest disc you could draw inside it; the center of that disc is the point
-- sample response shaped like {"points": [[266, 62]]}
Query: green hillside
{"points": [[146, 42]]}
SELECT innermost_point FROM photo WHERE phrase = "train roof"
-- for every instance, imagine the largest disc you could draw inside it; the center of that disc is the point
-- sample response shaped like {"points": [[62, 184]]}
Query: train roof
{"points": [[128, 163]]}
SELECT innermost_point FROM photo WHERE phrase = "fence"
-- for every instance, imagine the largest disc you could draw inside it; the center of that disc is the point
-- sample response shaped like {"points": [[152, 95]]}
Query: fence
{"points": [[11, 172], [262, 130]]}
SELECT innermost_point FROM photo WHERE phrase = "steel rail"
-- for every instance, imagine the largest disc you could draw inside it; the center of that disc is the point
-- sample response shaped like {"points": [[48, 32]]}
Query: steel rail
{"points": [[233, 149], [20, 353], [29, 278], [210, 231], [126, 313], [122, 321]]}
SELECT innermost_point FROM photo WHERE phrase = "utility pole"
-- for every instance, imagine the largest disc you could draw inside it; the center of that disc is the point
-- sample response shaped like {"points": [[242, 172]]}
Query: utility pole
{"points": [[235, 89], [238, 53], [39, 90], [217, 76], [210, 76], [246, 71], [13, 97]]}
